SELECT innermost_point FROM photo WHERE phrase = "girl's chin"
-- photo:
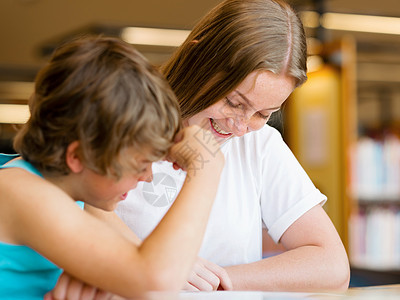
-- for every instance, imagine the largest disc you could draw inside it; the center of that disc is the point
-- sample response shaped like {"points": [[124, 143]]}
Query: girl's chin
{"points": [[221, 141]]}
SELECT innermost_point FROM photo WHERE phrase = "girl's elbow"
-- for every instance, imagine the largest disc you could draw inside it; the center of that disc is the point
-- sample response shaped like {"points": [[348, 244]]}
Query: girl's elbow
{"points": [[342, 275], [344, 280]]}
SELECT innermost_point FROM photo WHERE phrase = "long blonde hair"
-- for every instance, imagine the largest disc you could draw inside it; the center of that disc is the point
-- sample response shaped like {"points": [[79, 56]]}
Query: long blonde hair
{"points": [[234, 39]]}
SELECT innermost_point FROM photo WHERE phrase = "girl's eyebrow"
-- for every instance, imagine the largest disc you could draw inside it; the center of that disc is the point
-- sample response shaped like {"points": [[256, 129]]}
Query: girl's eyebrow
{"points": [[249, 103]]}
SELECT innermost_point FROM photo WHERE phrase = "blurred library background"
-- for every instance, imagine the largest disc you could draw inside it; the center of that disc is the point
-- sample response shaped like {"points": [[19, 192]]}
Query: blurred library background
{"points": [[343, 124]]}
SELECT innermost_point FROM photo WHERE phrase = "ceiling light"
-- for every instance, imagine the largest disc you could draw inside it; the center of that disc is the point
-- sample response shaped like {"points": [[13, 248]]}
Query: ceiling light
{"points": [[351, 22], [14, 113], [310, 19], [362, 23], [154, 36]]}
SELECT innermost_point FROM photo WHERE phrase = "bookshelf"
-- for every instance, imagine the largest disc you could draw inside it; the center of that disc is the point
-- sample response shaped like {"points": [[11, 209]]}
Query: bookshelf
{"points": [[360, 137], [374, 225]]}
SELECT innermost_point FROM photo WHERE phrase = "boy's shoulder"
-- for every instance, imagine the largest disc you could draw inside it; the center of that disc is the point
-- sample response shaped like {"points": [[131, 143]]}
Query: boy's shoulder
{"points": [[15, 161]]}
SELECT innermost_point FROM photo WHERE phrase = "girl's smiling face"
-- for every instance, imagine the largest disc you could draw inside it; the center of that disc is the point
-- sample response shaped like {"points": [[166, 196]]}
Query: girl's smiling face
{"points": [[247, 108]]}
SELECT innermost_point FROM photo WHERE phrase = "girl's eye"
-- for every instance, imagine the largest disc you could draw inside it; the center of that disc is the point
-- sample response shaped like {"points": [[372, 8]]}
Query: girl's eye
{"points": [[231, 104]]}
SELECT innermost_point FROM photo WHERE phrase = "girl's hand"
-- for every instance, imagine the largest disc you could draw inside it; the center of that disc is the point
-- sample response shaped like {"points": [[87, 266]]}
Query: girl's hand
{"points": [[70, 288], [207, 276]]}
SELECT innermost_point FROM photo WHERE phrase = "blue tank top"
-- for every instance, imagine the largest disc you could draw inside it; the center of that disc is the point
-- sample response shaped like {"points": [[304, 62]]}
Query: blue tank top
{"points": [[24, 273]]}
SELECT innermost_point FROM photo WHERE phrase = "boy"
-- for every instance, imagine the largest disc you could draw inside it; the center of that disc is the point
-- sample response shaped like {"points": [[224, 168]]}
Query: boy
{"points": [[100, 115]]}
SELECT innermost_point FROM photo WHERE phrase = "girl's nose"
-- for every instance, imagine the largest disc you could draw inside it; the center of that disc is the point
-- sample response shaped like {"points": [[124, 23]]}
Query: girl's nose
{"points": [[239, 126]]}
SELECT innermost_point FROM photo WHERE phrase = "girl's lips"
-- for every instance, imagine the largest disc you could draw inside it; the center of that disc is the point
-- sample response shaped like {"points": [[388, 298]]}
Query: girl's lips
{"points": [[218, 133], [123, 196]]}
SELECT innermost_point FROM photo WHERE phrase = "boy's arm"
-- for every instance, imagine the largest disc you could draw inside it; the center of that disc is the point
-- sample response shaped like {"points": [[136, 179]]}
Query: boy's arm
{"points": [[205, 275], [315, 260], [44, 218], [114, 221], [68, 287]]}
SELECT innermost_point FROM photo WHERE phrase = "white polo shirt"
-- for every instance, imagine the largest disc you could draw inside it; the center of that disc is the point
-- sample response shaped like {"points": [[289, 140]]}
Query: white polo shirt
{"points": [[262, 183]]}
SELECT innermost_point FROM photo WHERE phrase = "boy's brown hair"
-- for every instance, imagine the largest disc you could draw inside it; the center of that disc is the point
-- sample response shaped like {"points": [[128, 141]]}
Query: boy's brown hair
{"points": [[101, 92]]}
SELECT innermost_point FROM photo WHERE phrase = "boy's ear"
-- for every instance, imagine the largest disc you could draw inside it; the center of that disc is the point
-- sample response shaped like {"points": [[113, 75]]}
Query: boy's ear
{"points": [[73, 159]]}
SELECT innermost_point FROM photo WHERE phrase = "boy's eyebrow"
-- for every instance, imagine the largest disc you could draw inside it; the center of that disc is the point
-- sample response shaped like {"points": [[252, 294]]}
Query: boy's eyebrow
{"points": [[249, 103]]}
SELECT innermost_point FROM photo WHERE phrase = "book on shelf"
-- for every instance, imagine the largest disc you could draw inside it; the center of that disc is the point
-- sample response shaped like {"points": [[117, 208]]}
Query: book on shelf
{"points": [[376, 168], [375, 238]]}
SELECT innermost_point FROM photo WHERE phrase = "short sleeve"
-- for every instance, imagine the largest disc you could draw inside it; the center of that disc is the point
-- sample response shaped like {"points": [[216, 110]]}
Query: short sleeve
{"points": [[287, 192]]}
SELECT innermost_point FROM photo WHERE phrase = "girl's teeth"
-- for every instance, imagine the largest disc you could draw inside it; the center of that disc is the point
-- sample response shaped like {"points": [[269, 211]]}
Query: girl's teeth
{"points": [[219, 130]]}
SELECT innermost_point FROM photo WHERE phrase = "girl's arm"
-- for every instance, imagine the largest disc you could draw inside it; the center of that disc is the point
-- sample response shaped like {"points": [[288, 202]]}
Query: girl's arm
{"points": [[315, 260], [68, 288], [44, 218]]}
